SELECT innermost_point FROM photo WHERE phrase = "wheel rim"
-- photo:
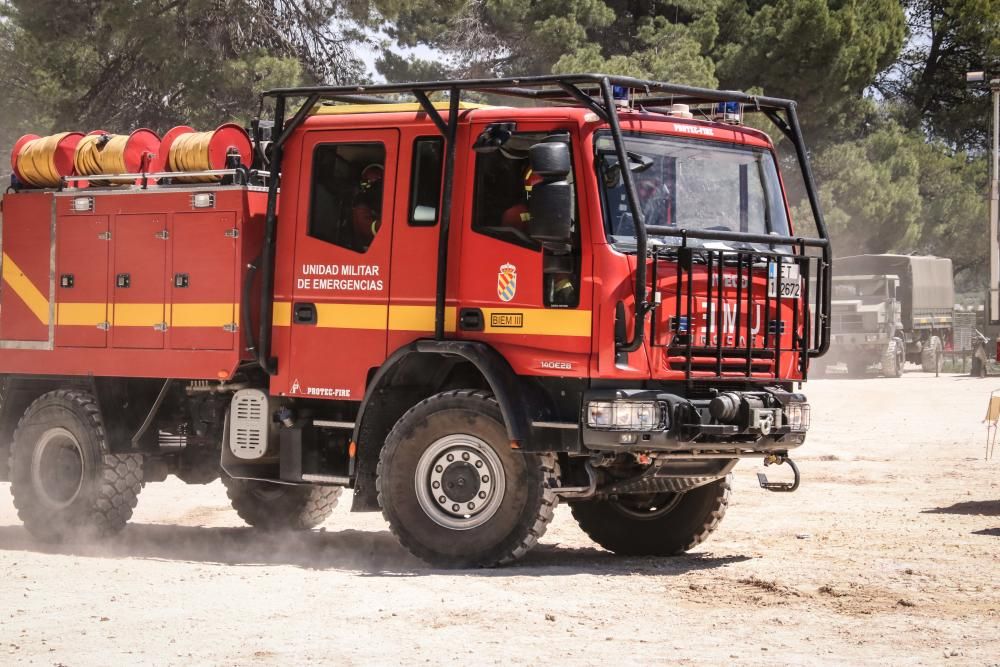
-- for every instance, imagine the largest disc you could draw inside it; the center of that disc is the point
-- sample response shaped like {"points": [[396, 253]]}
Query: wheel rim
{"points": [[459, 482], [646, 507], [57, 468]]}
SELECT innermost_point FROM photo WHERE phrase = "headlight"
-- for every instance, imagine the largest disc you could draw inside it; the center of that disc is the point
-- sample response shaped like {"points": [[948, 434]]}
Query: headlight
{"points": [[624, 415], [797, 416]]}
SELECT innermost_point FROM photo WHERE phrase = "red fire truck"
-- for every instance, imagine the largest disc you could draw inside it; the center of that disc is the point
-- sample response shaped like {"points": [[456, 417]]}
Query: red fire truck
{"points": [[463, 312]]}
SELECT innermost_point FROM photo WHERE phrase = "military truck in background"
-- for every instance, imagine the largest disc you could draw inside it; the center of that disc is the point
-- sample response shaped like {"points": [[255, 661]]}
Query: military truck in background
{"points": [[890, 309]]}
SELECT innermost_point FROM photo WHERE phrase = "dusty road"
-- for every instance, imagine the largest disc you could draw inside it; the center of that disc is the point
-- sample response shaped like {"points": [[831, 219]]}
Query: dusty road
{"points": [[889, 553]]}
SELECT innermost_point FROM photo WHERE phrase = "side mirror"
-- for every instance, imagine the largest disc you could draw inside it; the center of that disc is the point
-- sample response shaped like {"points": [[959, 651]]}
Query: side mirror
{"points": [[493, 137], [550, 160], [551, 202]]}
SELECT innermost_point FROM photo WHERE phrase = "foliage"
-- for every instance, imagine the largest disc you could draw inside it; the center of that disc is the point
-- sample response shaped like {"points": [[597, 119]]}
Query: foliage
{"points": [[156, 63], [948, 39], [898, 140]]}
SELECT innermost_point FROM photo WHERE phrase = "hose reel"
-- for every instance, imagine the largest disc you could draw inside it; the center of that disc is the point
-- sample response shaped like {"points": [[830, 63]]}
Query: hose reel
{"points": [[184, 150], [47, 162]]}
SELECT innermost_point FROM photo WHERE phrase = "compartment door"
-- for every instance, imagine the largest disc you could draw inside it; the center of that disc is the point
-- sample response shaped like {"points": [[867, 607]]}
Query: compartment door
{"points": [[138, 281], [203, 300], [340, 308], [82, 281]]}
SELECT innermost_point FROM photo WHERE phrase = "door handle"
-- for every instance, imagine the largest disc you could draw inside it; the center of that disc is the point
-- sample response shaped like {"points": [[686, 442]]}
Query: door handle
{"points": [[304, 313], [470, 319]]}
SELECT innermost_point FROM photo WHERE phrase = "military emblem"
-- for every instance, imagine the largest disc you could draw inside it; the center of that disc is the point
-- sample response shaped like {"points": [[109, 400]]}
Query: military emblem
{"points": [[507, 282]]}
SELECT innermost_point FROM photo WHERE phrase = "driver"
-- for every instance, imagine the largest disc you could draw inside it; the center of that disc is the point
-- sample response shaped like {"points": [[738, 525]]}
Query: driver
{"points": [[366, 209], [517, 215], [654, 201], [654, 198]]}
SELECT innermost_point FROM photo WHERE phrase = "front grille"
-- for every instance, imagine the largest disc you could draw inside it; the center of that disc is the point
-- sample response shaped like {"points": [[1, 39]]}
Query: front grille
{"points": [[706, 363], [846, 322], [737, 312]]}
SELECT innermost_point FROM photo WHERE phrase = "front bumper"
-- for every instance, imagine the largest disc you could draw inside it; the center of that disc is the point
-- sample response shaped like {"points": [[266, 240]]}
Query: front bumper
{"points": [[860, 340], [756, 421]]}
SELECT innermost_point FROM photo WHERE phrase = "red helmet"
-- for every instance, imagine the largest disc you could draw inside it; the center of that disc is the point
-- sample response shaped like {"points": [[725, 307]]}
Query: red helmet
{"points": [[373, 173]]}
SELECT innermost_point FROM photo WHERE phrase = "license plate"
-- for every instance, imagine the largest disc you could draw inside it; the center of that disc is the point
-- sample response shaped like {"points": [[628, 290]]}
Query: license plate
{"points": [[790, 285]]}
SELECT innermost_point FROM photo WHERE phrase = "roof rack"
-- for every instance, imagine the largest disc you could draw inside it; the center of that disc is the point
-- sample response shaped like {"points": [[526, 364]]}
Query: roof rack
{"points": [[593, 91]]}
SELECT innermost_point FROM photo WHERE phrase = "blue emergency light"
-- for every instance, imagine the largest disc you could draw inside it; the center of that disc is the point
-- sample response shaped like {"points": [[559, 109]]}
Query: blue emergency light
{"points": [[728, 112], [621, 94]]}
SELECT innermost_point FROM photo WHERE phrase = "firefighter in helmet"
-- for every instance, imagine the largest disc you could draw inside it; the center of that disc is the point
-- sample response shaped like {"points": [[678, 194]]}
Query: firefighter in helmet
{"points": [[367, 206], [559, 286], [518, 216]]}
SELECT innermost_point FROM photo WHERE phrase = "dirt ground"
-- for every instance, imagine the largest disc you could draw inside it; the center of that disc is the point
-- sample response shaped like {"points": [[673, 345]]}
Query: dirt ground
{"points": [[889, 553]]}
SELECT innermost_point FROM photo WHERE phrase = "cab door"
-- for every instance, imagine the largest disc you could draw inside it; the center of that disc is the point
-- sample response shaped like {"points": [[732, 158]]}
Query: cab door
{"points": [[340, 291], [529, 303]]}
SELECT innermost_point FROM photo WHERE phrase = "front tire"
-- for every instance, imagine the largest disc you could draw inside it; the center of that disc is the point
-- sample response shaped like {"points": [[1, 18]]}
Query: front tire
{"points": [[66, 482], [453, 490], [276, 507], [666, 524], [893, 360]]}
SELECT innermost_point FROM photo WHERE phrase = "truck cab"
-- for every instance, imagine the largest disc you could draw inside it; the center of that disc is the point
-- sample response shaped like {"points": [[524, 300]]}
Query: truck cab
{"points": [[467, 313]]}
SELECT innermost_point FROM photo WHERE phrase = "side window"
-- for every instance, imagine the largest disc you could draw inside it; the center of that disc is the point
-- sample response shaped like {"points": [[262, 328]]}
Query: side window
{"points": [[503, 185], [346, 202], [425, 181]]}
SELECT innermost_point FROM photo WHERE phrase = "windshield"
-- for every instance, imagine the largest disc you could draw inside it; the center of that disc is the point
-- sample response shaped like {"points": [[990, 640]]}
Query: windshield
{"points": [[850, 288], [693, 185]]}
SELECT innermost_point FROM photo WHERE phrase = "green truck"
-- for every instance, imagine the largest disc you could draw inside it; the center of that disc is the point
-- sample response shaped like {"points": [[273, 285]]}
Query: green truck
{"points": [[890, 309]]}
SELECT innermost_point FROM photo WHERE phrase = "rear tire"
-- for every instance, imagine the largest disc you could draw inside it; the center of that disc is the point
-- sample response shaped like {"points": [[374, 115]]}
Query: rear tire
{"points": [[930, 356], [666, 524], [453, 490], [276, 507], [65, 481]]}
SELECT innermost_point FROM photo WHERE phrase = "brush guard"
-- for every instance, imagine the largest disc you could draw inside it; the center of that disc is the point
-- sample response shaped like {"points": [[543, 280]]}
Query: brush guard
{"points": [[742, 358]]}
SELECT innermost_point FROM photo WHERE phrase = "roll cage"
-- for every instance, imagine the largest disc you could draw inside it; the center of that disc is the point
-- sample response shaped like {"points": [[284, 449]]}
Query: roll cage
{"points": [[592, 91]]}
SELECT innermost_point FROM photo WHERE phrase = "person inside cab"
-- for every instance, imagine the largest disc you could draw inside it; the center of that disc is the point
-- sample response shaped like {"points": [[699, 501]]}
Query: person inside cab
{"points": [[367, 205]]}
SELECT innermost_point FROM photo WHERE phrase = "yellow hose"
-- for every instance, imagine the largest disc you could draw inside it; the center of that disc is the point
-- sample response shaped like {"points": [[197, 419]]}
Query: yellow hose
{"points": [[189, 152], [101, 154], [36, 163]]}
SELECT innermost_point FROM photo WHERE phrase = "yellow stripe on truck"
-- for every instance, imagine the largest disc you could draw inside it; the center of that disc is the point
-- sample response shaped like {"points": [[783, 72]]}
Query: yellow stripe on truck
{"points": [[202, 314], [281, 314], [538, 321], [137, 314], [419, 318], [351, 316], [25, 289], [516, 321], [81, 314]]}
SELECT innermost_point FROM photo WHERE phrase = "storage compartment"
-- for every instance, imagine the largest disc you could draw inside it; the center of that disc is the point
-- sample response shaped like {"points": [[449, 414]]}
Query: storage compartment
{"points": [[82, 245], [25, 291], [139, 281], [203, 293]]}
